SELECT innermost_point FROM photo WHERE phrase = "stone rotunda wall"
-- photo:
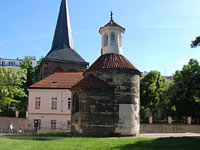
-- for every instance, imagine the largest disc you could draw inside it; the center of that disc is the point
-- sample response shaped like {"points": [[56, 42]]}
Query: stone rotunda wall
{"points": [[112, 111]]}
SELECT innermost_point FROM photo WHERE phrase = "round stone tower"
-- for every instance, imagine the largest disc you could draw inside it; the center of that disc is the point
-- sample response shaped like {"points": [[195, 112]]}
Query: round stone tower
{"points": [[106, 101]]}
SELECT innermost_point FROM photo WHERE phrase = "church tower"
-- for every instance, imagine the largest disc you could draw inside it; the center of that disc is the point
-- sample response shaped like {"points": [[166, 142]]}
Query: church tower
{"points": [[62, 57]]}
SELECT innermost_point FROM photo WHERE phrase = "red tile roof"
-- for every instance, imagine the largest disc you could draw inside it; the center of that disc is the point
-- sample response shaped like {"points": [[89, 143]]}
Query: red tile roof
{"points": [[91, 81], [109, 61], [58, 80], [112, 23]]}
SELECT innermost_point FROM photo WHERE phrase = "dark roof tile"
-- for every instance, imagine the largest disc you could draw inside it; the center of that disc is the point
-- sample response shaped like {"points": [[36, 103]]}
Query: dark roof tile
{"points": [[109, 61], [91, 81]]}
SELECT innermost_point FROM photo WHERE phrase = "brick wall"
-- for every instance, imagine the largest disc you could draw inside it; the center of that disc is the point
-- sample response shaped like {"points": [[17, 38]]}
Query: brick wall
{"points": [[166, 128], [19, 123]]}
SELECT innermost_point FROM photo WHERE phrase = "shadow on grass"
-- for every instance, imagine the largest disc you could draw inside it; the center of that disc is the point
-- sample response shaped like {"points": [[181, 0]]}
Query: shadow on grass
{"points": [[184, 143], [39, 136]]}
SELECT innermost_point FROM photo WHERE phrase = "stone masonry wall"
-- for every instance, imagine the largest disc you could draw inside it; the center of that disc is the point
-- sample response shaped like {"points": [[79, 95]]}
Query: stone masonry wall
{"points": [[95, 116], [126, 98], [166, 128], [19, 123], [107, 114], [48, 67]]}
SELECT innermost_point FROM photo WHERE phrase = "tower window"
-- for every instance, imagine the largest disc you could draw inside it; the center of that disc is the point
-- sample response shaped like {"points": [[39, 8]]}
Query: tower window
{"points": [[120, 40], [113, 41], [105, 39]]}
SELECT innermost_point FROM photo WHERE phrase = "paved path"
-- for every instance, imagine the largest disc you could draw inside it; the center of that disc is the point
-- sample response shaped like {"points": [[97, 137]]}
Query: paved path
{"points": [[163, 135]]}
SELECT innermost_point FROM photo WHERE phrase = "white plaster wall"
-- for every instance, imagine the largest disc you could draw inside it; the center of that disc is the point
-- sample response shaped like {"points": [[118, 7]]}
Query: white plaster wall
{"points": [[61, 121], [116, 49], [45, 113], [46, 99], [127, 120]]}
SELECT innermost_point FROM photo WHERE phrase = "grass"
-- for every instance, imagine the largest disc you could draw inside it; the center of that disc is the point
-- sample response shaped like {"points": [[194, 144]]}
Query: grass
{"points": [[100, 144]]}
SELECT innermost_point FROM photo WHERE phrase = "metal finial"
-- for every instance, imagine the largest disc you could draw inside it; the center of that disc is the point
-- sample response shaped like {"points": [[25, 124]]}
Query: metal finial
{"points": [[111, 16]]}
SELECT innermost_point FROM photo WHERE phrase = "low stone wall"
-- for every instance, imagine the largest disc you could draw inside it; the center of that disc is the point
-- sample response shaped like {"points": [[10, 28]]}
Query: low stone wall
{"points": [[169, 128], [19, 123]]}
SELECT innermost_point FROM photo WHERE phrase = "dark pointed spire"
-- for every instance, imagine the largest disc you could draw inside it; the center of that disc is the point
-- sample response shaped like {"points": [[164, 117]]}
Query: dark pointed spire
{"points": [[62, 46], [63, 33]]}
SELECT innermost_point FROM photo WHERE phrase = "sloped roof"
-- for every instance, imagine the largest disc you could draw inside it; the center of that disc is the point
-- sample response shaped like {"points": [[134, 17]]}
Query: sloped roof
{"points": [[91, 81], [58, 80], [62, 46], [65, 54], [112, 23], [63, 33], [109, 61]]}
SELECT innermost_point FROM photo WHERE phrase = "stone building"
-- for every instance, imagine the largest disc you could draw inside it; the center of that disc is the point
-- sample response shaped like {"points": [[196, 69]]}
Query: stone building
{"points": [[106, 101], [62, 57]]}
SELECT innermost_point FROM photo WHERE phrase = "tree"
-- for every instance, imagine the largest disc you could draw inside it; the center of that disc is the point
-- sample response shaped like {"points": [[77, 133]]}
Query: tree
{"points": [[11, 88], [32, 77], [196, 42], [186, 90], [153, 92]]}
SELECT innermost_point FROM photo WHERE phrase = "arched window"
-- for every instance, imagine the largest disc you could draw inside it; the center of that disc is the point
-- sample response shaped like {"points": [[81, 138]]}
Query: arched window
{"points": [[113, 41], [120, 40], [75, 103], [105, 39]]}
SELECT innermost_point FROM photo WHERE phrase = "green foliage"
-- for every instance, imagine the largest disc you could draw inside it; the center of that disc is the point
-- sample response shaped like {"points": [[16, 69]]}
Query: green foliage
{"points": [[32, 77], [196, 42], [26, 64], [186, 90], [11, 87], [154, 92]]}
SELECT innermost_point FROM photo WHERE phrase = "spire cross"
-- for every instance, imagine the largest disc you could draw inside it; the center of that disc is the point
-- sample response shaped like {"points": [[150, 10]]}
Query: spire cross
{"points": [[111, 16]]}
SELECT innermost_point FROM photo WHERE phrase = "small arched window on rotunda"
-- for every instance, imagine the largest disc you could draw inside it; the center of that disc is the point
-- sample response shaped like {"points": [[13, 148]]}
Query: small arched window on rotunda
{"points": [[75, 103], [105, 39], [113, 40]]}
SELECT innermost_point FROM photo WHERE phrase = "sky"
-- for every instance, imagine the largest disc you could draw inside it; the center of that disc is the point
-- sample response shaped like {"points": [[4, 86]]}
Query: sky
{"points": [[158, 32]]}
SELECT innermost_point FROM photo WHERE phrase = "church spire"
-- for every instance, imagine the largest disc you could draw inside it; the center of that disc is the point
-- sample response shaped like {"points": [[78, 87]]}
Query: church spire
{"points": [[63, 33]]}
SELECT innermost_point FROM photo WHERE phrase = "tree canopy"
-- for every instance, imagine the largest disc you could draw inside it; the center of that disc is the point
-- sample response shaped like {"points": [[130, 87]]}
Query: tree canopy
{"points": [[11, 87], [196, 42], [186, 90], [153, 91]]}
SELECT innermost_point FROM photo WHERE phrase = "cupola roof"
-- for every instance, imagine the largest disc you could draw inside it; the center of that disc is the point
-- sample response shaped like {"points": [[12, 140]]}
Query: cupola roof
{"points": [[109, 61], [112, 23]]}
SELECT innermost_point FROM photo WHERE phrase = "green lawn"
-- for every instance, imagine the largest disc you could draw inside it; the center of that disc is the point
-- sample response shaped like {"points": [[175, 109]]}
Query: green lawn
{"points": [[100, 144]]}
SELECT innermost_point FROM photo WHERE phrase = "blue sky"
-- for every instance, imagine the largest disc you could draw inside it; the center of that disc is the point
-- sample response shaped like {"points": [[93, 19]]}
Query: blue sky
{"points": [[158, 32]]}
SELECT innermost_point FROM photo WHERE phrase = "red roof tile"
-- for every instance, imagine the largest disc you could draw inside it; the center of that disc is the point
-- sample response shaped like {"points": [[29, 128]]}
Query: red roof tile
{"points": [[91, 81], [112, 23], [109, 61], [58, 80]]}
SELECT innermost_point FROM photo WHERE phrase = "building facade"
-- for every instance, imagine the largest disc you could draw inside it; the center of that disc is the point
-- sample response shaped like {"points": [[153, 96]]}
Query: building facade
{"points": [[62, 57], [106, 102], [49, 106], [15, 63]]}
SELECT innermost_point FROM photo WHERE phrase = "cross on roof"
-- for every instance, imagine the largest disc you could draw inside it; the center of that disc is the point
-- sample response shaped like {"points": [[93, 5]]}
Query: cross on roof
{"points": [[111, 15]]}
